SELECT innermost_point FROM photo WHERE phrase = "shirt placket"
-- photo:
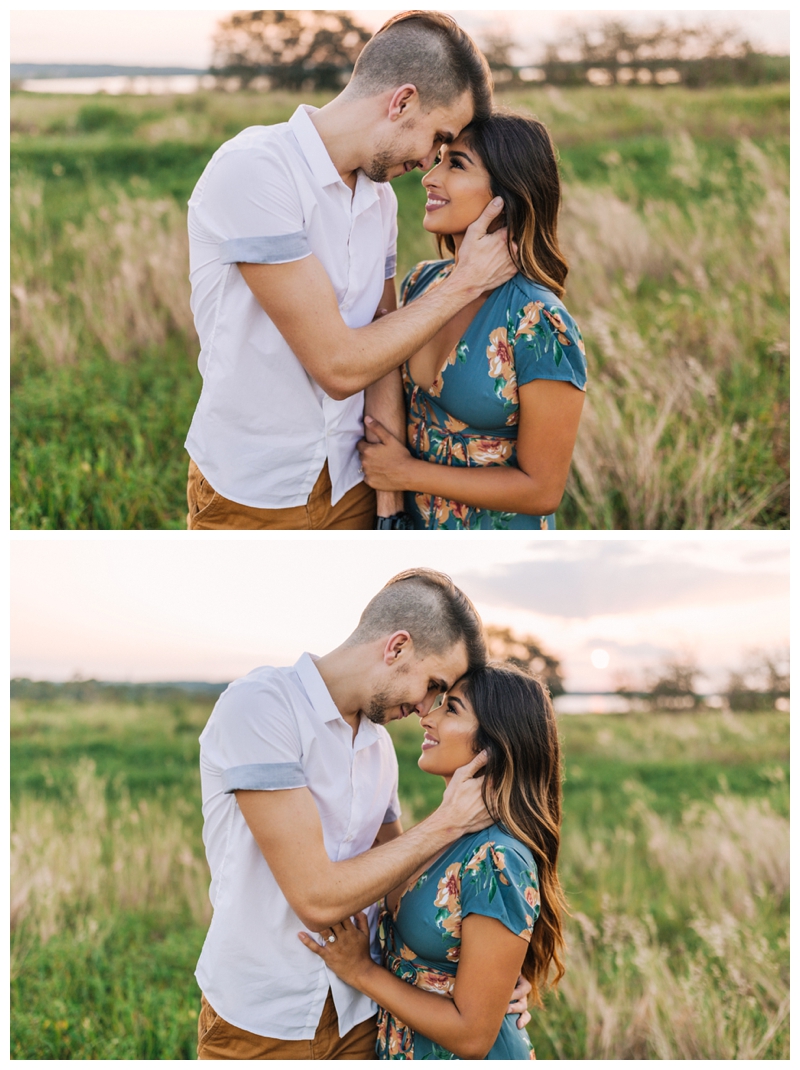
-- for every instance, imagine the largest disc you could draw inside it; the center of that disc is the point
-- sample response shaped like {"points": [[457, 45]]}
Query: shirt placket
{"points": [[350, 832], [347, 303]]}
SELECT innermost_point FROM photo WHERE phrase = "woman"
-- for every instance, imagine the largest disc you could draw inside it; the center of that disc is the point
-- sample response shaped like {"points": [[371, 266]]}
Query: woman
{"points": [[455, 938], [494, 399]]}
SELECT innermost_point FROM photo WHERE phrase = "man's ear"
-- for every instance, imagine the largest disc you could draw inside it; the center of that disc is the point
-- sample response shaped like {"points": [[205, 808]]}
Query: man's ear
{"points": [[399, 648], [401, 101]]}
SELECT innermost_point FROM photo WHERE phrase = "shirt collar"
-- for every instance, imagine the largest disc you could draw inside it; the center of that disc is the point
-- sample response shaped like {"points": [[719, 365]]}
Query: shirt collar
{"points": [[320, 699], [312, 146], [366, 193], [322, 167], [318, 694]]}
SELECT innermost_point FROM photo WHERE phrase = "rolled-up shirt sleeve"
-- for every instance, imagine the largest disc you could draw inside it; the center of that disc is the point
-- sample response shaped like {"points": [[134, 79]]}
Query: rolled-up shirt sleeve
{"points": [[250, 206], [252, 740], [389, 208]]}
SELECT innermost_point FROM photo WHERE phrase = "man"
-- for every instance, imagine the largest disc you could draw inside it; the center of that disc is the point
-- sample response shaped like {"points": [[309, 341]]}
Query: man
{"points": [[292, 238], [299, 781]]}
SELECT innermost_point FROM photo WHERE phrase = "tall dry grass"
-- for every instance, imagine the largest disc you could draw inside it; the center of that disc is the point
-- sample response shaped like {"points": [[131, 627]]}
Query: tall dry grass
{"points": [[73, 865], [671, 299], [126, 285], [716, 877], [683, 304]]}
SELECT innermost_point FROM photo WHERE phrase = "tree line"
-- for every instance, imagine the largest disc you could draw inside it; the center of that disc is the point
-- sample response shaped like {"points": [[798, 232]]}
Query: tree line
{"points": [[760, 684], [317, 50]]}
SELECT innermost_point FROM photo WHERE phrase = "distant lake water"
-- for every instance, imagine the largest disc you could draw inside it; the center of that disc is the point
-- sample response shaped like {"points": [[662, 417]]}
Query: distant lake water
{"points": [[114, 85], [592, 704]]}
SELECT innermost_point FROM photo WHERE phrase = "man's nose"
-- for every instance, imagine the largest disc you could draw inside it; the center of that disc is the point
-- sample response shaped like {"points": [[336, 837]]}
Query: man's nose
{"points": [[423, 708], [427, 163]]}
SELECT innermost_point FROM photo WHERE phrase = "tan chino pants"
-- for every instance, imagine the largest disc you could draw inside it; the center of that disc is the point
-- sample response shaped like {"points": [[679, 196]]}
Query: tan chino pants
{"points": [[210, 511], [218, 1039]]}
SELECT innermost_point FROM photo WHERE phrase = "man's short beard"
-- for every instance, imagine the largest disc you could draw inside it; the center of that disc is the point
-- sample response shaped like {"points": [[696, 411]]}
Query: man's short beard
{"points": [[378, 169], [384, 700], [378, 705]]}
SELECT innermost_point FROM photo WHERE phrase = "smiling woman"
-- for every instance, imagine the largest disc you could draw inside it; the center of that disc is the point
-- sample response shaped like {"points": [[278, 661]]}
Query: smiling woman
{"points": [[494, 399], [489, 904]]}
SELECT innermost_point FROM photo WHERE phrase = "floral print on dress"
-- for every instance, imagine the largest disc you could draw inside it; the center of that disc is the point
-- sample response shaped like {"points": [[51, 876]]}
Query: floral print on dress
{"points": [[470, 414], [501, 368], [488, 873]]}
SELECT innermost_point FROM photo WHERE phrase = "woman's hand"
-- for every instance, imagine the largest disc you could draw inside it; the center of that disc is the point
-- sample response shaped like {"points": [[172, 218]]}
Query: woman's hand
{"points": [[386, 463], [519, 1002], [348, 953]]}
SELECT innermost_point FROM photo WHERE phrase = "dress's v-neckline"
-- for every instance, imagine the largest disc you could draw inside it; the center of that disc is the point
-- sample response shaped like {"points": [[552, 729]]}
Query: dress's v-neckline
{"points": [[447, 363], [415, 881]]}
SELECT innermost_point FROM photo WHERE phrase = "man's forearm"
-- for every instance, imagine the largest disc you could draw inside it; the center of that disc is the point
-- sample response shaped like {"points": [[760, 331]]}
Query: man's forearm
{"points": [[347, 887], [344, 360], [368, 353]]}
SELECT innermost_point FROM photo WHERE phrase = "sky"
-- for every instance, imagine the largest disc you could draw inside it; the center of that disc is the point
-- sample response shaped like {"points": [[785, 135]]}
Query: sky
{"points": [[183, 38], [164, 609]]}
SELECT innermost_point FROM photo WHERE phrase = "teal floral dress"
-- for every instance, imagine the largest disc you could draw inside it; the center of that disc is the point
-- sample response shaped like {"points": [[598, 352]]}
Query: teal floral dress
{"points": [[469, 415], [488, 873]]}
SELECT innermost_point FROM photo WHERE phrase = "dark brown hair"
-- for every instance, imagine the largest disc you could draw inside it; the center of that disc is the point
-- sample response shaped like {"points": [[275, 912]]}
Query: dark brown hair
{"points": [[428, 605], [517, 727], [520, 157], [430, 51]]}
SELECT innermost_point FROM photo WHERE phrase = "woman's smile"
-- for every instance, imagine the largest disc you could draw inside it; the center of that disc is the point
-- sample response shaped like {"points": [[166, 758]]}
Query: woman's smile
{"points": [[429, 741], [434, 202]]}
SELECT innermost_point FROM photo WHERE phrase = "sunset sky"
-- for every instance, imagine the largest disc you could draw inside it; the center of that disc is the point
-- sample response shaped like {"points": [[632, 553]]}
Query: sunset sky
{"points": [[162, 609], [166, 38]]}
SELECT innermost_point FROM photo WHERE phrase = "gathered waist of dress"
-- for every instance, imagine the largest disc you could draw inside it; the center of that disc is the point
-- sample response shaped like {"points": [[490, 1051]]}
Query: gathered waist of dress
{"points": [[395, 1038], [411, 969], [473, 449]]}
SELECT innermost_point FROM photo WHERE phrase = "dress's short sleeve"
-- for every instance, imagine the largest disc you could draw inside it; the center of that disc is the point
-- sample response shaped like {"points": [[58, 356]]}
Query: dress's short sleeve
{"points": [[252, 740], [547, 343], [500, 882]]}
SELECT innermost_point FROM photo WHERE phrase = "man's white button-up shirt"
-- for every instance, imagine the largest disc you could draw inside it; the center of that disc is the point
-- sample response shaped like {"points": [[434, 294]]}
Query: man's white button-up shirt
{"points": [[263, 428], [275, 729]]}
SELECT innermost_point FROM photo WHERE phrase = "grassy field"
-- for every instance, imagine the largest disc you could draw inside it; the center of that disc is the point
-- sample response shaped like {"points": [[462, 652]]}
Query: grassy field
{"points": [[675, 862], [675, 220]]}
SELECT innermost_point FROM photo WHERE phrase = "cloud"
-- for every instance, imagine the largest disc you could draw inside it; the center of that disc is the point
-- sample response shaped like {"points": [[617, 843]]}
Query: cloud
{"points": [[612, 578]]}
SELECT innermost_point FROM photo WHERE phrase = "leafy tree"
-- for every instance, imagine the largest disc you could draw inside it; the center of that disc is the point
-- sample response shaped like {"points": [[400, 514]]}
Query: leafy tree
{"points": [[762, 683], [527, 653], [295, 50], [497, 47], [613, 53], [673, 687]]}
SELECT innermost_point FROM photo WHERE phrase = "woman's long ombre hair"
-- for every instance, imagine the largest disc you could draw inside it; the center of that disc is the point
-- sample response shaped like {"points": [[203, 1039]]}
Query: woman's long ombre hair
{"points": [[517, 727], [520, 157]]}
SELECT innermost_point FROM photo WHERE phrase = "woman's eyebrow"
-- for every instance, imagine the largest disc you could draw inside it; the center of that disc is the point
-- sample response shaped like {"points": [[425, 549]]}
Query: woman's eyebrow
{"points": [[458, 152], [452, 698]]}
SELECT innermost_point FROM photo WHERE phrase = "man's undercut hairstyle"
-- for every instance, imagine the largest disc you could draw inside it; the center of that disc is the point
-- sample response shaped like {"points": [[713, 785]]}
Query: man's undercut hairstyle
{"points": [[435, 613], [429, 50]]}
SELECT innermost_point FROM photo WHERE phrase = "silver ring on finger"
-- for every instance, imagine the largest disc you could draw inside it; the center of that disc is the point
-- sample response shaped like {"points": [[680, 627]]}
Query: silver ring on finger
{"points": [[332, 938]]}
